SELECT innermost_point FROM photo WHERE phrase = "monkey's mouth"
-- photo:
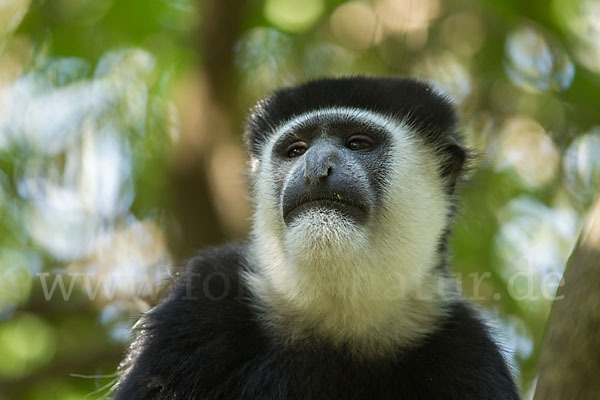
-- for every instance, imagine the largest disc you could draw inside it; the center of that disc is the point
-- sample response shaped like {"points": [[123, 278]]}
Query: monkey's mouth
{"points": [[347, 207]]}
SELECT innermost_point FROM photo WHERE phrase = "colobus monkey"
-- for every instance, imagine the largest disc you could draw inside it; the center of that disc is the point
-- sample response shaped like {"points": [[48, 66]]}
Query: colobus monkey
{"points": [[342, 290]]}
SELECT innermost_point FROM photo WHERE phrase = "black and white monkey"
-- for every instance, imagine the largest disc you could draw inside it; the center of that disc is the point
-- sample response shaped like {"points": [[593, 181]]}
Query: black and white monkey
{"points": [[342, 291]]}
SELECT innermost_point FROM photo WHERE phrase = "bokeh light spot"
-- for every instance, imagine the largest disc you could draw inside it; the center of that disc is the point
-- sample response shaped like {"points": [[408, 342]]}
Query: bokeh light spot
{"points": [[463, 33], [11, 14], [16, 270], [581, 19], [526, 147], [581, 166], [534, 241], [407, 15], [534, 61], [356, 25], [293, 15], [447, 72], [26, 343], [264, 55]]}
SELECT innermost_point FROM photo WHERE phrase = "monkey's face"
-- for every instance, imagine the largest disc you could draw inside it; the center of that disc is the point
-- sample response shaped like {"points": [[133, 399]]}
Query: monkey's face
{"points": [[330, 165], [332, 181], [330, 171]]}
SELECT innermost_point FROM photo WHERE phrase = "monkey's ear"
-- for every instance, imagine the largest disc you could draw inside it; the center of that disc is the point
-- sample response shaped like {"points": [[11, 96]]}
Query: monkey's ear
{"points": [[455, 157]]}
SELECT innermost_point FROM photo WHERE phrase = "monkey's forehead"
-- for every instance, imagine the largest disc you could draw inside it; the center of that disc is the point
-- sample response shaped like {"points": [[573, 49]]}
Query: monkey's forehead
{"points": [[414, 102]]}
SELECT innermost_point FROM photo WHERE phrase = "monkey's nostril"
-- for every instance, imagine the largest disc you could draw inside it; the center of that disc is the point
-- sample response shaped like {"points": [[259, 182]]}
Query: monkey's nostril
{"points": [[325, 173]]}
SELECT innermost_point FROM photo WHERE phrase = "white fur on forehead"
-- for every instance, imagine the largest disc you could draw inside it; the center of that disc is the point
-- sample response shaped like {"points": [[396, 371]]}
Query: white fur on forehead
{"points": [[326, 264]]}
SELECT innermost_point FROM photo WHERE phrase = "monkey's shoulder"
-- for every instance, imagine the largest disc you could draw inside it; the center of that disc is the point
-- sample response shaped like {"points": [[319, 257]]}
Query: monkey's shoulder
{"points": [[208, 293], [463, 358], [196, 336]]}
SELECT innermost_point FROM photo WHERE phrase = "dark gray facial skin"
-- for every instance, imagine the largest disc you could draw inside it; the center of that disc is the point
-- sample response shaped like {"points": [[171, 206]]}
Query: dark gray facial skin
{"points": [[330, 163]]}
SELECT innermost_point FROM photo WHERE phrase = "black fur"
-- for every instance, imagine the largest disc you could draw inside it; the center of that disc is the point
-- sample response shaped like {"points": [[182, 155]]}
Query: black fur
{"points": [[206, 342], [403, 98]]}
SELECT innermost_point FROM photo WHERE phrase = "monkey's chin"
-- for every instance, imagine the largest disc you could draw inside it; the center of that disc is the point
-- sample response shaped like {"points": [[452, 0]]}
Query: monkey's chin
{"points": [[323, 232]]}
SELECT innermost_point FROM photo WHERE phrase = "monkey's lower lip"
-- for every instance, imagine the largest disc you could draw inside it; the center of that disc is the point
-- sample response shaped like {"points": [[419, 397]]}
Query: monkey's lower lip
{"points": [[350, 209]]}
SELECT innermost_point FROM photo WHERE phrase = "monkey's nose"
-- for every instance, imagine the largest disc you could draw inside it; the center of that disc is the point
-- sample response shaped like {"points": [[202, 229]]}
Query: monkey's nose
{"points": [[319, 165]]}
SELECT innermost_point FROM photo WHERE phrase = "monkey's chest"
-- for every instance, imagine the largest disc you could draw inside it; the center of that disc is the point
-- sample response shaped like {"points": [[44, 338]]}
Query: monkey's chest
{"points": [[307, 374]]}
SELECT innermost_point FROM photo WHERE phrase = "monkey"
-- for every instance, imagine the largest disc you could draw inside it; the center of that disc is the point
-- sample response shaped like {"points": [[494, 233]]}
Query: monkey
{"points": [[343, 289]]}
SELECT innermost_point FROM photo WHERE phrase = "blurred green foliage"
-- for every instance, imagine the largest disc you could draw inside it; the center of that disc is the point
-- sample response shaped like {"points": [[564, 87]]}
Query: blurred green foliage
{"points": [[120, 152]]}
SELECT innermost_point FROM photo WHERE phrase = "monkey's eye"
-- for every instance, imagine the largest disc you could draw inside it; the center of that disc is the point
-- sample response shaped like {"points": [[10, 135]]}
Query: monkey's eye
{"points": [[359, 142], [296, 149]]}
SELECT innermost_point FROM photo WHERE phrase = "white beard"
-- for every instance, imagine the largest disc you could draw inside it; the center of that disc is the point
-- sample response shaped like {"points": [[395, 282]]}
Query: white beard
{"points": [[322, 234]]}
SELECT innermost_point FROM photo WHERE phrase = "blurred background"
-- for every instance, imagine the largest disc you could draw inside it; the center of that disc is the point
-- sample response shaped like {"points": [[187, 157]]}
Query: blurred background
{"points": [[121, 152]]}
